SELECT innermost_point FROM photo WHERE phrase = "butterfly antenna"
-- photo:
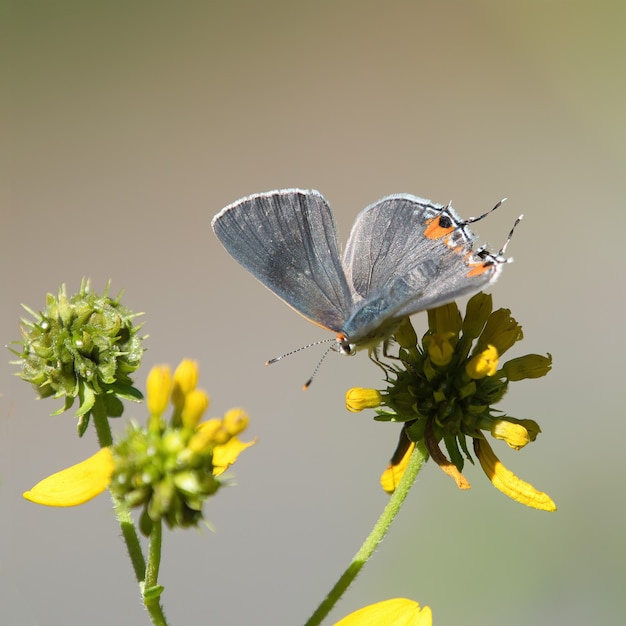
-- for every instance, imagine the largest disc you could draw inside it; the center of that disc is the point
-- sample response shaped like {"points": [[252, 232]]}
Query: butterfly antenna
{"points": [[307, 384], [506, 243], [310, 345], [470, 220]]}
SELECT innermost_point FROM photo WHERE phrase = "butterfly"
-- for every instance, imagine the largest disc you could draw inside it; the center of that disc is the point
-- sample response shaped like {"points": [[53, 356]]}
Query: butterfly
{"points": [[404, 254]]}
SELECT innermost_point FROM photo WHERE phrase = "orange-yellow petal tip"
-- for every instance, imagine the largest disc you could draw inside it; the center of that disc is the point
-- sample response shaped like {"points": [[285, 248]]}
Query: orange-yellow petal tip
{"points": [[507, 482], [391, 477]]}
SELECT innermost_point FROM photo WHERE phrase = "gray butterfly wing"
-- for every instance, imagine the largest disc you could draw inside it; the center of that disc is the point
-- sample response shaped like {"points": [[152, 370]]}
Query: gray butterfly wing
{"points": [[287, 239], [406, 254]]}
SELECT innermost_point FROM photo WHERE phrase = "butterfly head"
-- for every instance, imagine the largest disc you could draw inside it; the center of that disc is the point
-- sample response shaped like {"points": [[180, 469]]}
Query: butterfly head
{"points": [[343, 346]]}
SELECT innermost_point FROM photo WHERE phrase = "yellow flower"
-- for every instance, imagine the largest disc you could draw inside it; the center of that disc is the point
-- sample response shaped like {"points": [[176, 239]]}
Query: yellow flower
{"points": [[395, 612], [445, 389], [169, 468]]}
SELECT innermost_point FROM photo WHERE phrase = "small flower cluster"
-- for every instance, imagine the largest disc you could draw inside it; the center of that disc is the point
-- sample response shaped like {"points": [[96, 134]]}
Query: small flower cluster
{"points": [[445, 388], [84, 346], [171, 467], [168, 468]]}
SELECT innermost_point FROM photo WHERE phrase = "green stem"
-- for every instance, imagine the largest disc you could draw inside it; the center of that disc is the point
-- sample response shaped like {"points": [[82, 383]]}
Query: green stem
{"points": [[152, 590], [101, 423], [122, 512], [126, 522], [131, 539], [154, 554], [375, 537]]}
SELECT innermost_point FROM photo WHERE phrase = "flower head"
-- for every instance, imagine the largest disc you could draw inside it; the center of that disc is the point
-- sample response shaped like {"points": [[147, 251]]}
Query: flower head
{"points": [[445, 389], [82, 346], [169, 469]]}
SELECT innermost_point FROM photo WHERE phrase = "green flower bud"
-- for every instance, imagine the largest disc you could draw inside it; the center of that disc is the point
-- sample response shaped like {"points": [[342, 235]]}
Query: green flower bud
{"points": [[84, 347], [445, 319], [501, 331], [405, 334], [529, 366], [477, 312]]}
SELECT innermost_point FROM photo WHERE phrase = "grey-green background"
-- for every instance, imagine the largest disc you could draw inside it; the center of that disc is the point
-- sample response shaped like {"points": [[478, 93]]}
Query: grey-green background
{"points": [[130, 124]]}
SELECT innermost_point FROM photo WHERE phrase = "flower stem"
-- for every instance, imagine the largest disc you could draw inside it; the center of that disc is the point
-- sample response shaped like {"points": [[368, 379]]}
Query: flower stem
{"points": [[129, 532], [375, 537], [152, 590], [101, 422]]}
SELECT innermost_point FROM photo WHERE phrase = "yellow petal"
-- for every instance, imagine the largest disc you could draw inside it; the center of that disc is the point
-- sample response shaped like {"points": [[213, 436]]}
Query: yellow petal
{"points": [[395, 612], [186, 375], [235, 421], [207, 434], [224, 456], [485, 363], [440, 347], [185, 380], [507, 482], [515, 435], [196, 403], [446, 318], [501, 331], [392, 476], [76, 484], [477, 311], [158, 388]]}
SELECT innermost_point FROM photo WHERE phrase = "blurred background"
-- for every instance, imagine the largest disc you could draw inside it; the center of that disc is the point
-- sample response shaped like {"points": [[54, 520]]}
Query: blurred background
{"points": [[130, 124]]}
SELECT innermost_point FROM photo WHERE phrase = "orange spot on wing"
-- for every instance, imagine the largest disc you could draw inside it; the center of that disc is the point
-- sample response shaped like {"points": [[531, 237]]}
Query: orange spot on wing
{"points": [[434, 230], [479, 269]]}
